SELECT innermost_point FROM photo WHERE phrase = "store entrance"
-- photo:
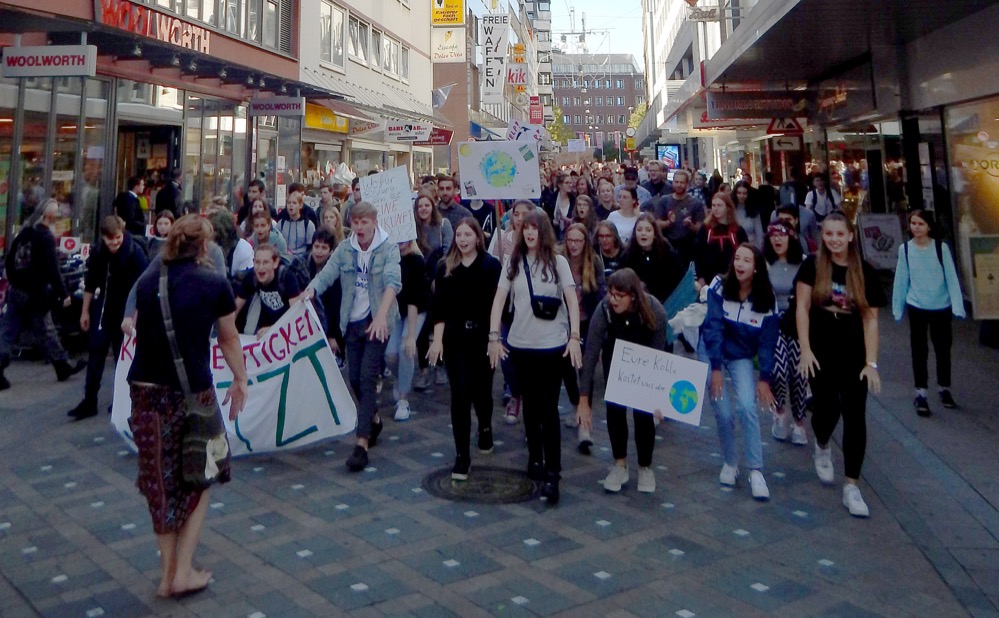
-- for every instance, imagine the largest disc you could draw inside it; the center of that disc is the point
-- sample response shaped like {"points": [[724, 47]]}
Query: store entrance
{"points": [[145, 150]]}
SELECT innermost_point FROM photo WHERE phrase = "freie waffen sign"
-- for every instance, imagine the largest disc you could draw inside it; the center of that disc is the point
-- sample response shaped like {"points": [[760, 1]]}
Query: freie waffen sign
{"points": [[277, 106], [50, 61]]}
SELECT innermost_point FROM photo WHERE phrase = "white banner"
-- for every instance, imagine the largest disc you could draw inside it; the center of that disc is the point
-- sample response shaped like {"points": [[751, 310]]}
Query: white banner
{"points": [[646, 379], [277, 106], [495, 30], [50, 61], [392, 195], [499, 170], [880, 238], [296, 395], [447, 45], [519, 131], [577, 145]]}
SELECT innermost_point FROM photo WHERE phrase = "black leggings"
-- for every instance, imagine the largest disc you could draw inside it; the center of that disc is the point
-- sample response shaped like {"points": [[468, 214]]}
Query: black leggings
{"points": [[645, 433], [938, 322], [837, 390], [540, 389], [471, 380]]}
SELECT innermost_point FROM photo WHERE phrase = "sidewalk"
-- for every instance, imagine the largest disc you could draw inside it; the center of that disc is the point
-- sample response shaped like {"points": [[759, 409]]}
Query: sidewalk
{"points": [[295, 535]]}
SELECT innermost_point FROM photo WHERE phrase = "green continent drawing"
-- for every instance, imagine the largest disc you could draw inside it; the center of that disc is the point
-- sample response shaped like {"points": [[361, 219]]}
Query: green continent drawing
{"points": [[683, 396], [498, 168]]}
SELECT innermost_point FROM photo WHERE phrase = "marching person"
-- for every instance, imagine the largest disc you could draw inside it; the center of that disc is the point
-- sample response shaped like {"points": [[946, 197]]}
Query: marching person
{"points": [[838, 296], [625, 217], [717, 239], [741, 325], [414, 302], [651, 257], [545, 329], [609, 247], [926, 285], [627, 313], [434, 236], [464, 289], [367, 266], [267, 294]]}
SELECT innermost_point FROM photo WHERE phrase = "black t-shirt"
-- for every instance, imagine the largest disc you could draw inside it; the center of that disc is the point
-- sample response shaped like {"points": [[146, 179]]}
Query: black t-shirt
{"points": [[198, 297], [415, 285], [838, 299], [273, 297], [613, 264]]}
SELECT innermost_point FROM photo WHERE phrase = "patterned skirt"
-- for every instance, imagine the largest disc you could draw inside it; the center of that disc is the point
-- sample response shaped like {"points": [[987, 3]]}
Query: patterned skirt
{"points": [[157, 424]]}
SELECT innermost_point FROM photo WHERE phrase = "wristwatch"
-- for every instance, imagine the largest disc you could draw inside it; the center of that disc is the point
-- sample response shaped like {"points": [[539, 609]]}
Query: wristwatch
{"points": [[872, 365]]}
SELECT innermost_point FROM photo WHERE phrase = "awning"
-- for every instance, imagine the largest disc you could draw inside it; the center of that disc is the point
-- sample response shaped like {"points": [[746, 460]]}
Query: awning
{"points": [[342, 108]]}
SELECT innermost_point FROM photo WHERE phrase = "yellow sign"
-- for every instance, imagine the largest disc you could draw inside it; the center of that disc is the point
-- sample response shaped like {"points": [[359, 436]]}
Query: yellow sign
{"points": [[319, 117], [629, 143], [447, 12], [519, 53]]}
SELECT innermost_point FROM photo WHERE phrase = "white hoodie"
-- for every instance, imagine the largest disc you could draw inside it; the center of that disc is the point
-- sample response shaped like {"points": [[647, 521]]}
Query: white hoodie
{"points": [[361, 307]]}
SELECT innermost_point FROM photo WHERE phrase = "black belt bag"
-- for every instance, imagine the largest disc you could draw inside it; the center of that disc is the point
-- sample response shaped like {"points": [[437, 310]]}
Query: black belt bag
{"points": [[544, 307]]}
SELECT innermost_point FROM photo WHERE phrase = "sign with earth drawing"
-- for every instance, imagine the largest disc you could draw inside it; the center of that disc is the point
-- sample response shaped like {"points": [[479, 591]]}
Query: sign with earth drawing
{"points": [[647, 380], [499, 170]]}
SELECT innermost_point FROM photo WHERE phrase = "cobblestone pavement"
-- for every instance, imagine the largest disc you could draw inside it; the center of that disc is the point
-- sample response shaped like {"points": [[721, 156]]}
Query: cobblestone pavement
{"points": [[296, 535]]}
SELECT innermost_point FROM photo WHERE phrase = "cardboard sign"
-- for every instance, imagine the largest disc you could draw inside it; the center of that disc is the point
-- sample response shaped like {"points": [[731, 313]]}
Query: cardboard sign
{"points": [[646, 379], [391, 194], [518, 131], [499, 170], [880, 238], [577, 145], [296, 394]]}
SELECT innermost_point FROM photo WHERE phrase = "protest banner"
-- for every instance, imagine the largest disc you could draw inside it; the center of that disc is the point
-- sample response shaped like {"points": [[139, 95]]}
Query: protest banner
{"points": [[392, 195], [577, 145], [647, 380], [296, 394], [498, 170], [880, 238]]}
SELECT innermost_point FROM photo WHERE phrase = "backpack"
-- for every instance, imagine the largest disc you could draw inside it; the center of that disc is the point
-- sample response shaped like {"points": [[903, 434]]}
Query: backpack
{"points": [[21, 250], [293, 267], [939, 246]]}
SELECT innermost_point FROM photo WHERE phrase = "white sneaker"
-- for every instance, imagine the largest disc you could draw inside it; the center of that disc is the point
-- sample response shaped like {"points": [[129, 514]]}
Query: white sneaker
{"points": [[569, 420], [779, 428], [512, 413], [728, 475], [759, 485], [799, 437], [617, 477], [402, 411], [824, 465], [646, 480], [854, 501]]}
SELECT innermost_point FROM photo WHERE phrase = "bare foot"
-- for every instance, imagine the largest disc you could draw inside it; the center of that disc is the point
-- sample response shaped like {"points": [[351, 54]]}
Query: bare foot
{"points": [[195, 582]]}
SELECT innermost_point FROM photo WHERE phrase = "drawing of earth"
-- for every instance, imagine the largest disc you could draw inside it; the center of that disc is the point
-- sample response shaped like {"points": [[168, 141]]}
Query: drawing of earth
{"points": [[498, 168], [683, 396]]}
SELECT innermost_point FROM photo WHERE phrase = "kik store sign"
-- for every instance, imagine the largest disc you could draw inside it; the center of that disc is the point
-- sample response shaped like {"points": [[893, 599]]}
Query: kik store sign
{"points": [[148, 22]]}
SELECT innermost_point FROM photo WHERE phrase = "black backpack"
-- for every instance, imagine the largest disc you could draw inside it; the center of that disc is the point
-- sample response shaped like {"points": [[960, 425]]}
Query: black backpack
{"points": [[21, 251], [292, 267], [939, 246]]}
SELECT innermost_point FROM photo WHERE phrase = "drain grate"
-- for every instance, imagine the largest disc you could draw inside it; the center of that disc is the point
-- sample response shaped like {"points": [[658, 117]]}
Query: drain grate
{"points": [[485, 485]]}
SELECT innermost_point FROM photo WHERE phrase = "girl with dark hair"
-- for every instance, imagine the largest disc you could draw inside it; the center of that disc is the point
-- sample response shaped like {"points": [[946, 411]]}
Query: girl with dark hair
{"points": [[837, 296], [784, 255], [630, 314], [717, 239], [926, 284], [463, 295], [651, 256], [545, 329], [625, 217], [609, 247], [583, 188], [741, 325], [561, 204], [746, 214], [586, 215], [434, 236], [161, 227]]}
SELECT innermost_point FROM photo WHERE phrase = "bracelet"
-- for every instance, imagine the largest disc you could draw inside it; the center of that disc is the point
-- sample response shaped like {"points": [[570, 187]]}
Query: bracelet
{"points": [[873, 365], [574, 337], [494, 337]]}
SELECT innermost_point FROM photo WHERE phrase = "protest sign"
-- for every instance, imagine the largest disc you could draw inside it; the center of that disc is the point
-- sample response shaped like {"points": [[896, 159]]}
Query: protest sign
{"points": [[880, 238], [499, 170], [647, 380], [518, 131], [577, 145], [391, 194], [296, 394]]}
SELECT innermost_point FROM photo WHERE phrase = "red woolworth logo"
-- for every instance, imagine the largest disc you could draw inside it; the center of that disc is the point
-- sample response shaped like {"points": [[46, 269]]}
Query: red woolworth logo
{"points": [[144, 21]]}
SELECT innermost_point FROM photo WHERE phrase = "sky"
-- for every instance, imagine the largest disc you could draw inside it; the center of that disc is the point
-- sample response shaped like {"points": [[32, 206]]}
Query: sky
{"points": [[617, 25]]}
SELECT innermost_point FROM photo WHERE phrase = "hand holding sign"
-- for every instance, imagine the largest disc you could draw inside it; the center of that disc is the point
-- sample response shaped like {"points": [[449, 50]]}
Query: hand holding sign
{"points": [[647, 379], [390, 193]]}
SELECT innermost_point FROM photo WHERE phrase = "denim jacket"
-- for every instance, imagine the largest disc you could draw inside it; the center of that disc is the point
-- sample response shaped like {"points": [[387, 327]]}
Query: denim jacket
{"points": [[385, 272]]}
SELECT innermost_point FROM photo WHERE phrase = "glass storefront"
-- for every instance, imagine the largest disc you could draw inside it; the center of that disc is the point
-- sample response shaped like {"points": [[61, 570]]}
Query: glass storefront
{"points": [[363, 161]]}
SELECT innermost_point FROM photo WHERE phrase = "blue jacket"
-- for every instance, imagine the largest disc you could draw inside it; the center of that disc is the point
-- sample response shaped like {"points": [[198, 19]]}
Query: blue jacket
{"points": [[384, 269], [732, 331]]}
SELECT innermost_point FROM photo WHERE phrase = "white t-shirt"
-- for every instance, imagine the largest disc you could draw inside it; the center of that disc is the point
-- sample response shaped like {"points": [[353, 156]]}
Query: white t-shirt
{"points": [[530, 332], [242, 257], [625, 225]]}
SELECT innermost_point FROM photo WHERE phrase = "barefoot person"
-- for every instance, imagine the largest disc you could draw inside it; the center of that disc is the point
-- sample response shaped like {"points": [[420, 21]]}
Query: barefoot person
{"points": [[199, 297]]}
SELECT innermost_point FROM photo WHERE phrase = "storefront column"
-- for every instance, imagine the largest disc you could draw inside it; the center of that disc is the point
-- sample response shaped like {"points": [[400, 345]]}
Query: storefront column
{"points": [[14, 186]]}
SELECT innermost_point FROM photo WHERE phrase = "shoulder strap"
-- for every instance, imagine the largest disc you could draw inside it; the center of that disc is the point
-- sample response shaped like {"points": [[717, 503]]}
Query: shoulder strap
{"points": [[527, 275], [178, 361], [939, 244]]}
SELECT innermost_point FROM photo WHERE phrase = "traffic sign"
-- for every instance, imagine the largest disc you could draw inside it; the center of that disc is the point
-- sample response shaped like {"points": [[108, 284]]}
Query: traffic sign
{"points": [[785, 126], [787, 142]]}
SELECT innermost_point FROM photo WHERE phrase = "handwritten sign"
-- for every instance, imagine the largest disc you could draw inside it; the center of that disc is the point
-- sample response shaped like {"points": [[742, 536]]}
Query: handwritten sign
{"points": [[577, 145], [647, 380], [390, 193]]}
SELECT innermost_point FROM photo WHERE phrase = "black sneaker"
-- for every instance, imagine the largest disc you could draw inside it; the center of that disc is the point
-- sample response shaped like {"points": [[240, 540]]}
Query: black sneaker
{"points": [[376, 430], [536, 471], [85, 409], [549, 490], [462, 463], [65, 371], [358, 460], [947, 400], [922, 406], [486, 440], [4, 383]]}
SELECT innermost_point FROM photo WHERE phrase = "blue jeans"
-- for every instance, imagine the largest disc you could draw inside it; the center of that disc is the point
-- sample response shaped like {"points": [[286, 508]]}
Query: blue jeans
{"points": [[743, 377], [395, 354]]}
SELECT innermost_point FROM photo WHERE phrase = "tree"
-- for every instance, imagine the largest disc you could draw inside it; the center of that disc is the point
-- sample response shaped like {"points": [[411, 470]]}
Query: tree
{"points": [[557, 130], [637, 115], [610, 152]]}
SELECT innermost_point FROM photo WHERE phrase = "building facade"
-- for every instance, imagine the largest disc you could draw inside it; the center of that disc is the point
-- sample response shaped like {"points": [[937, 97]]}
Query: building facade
{"points": [[597, 93]]}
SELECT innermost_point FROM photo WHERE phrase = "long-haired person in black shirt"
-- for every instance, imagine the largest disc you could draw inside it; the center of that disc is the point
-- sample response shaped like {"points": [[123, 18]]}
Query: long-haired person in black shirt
{"points": [[652, 258], [464, 289]]}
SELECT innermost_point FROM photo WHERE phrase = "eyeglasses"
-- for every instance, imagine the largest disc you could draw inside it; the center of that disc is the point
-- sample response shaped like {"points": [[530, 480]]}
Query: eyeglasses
{"points": [[618, 295], [575, 241], [605, 236]]}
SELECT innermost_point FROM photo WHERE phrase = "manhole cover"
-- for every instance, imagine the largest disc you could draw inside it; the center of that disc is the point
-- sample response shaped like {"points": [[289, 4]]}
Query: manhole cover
{"points": [[485, 485]]}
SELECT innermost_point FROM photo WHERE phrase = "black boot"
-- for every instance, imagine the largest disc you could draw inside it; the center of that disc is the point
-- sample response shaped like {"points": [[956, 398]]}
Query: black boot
{"points": [[86, 409], [550, 489], [64, 370]]}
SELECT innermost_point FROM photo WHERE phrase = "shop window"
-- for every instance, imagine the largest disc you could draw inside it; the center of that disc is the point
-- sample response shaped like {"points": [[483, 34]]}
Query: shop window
{"points": [[357, 40], [331, 25]]}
